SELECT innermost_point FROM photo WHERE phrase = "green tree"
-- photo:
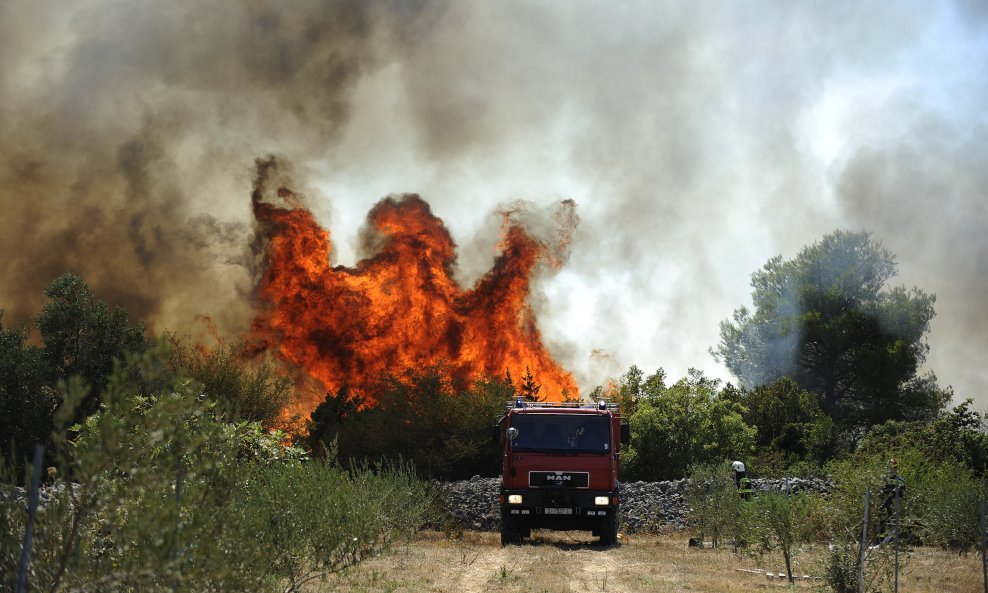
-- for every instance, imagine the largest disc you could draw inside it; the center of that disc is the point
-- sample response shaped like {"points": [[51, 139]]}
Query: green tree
{"points": [[83, 336], [27, 402], [682, 425], [960, 435], [827, 319], [777, 521], [715, 505], [420, 418], [791, 425]]}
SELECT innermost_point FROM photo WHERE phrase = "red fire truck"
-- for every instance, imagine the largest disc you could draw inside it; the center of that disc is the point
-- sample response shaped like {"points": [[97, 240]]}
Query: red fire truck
{"points": [[560, 468]]}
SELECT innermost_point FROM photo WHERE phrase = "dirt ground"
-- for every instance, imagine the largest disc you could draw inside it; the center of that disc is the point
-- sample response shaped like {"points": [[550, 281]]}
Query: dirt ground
{"points": [[571, 562]]}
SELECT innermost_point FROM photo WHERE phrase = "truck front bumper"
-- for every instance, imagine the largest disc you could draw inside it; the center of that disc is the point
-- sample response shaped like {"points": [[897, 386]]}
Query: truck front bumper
{"points": [[558, 503]]}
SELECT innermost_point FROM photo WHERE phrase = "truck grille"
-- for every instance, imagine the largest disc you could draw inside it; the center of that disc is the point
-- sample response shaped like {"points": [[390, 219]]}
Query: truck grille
{"points": [[559, 479]]}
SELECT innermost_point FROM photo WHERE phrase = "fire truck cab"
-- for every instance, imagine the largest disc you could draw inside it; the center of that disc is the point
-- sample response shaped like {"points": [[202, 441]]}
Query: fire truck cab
{"points": [[560, 468]]}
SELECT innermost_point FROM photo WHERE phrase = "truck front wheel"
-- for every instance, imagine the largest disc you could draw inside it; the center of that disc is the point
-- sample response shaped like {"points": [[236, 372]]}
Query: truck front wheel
{"points": [[608, 530], [509, 531]]}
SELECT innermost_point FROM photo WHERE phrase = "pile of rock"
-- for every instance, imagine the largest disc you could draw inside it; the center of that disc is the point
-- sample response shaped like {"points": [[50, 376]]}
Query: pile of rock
{"points": [[644, 505], [46, 493], [653, 505], [472, 503]]}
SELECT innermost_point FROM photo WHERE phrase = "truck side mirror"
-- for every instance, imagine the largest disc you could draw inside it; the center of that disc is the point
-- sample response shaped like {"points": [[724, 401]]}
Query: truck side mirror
{"points": [[625, 433], [496, 433], [512, 433]]}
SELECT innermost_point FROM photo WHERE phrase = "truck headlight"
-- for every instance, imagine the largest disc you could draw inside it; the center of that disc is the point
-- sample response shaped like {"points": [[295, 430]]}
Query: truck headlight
{"points": [[514, 499], [602, 501]]}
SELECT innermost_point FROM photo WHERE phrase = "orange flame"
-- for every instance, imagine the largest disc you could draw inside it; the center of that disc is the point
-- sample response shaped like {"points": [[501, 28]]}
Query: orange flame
{"points": [[400, 309]]}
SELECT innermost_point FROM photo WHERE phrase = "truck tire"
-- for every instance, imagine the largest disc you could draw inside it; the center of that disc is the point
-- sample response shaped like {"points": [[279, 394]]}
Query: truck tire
{"points": [[608, 531], [509, 531]]}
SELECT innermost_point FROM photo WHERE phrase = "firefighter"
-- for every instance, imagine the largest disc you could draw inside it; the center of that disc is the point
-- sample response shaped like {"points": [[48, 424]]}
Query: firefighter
{"points": [[741, 480], [893, 488]]}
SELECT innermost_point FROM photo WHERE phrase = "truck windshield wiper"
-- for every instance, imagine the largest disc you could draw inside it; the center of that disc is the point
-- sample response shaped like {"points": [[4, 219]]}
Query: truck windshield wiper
{"points": [[559, 451]]}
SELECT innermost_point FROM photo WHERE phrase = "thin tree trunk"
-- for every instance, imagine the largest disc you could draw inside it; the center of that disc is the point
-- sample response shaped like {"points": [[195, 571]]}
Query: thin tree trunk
{"points": [[785, 554]]}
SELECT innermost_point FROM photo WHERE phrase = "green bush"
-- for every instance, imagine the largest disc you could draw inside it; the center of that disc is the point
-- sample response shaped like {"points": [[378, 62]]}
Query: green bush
{"points": [[944, 501], [959, 434], [939, 506], [421, 418], [27, 401], [159, 493], [794, 435], [252, 391], [841, 568], [773, 463], [686, 424], [308, 520]]}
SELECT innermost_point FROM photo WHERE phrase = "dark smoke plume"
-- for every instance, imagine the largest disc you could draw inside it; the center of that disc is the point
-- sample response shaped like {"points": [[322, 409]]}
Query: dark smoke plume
{"points": [[700, 139], [129, 130]]}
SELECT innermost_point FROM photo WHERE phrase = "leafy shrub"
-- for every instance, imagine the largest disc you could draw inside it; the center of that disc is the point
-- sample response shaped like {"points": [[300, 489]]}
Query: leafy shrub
{"points": [[251, 391], [939, 505], [421, 418], [683, 425], [307, 520], [27, 402], [960, 435], [160, 493], [944, 501], [841, 567], [794, 434]]}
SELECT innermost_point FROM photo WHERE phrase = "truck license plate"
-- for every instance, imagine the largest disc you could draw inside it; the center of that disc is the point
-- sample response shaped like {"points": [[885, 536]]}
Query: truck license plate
{"points": [[552, 511]]}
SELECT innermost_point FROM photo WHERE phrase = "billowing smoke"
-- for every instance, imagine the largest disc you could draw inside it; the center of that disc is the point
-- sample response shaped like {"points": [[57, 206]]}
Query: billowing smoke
{"points": [[129, 131], [699, 140], [927, 195]]}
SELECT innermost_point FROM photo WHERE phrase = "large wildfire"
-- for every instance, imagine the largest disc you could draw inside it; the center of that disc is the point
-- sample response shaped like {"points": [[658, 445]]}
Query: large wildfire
{"points": [[400, 309]]}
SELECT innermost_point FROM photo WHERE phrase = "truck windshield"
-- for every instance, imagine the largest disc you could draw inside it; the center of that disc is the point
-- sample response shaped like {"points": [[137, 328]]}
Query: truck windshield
{"points": [[571, 433]]}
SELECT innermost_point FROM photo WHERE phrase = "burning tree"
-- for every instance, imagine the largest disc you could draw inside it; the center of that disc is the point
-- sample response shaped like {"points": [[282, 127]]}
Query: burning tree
{"points": [[399, 309]]}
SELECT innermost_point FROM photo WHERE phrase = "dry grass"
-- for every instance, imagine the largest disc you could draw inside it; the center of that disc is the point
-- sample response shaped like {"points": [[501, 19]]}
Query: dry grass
{"points": [[573, 563]]}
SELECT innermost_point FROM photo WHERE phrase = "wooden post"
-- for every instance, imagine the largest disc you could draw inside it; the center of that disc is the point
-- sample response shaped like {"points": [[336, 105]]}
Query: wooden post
{"points": [[897, 537], [864, 543], [32, 508], [984, 544]]}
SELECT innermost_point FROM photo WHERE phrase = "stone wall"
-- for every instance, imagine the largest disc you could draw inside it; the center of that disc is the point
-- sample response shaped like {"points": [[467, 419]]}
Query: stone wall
{"points": [[644, 505]]}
